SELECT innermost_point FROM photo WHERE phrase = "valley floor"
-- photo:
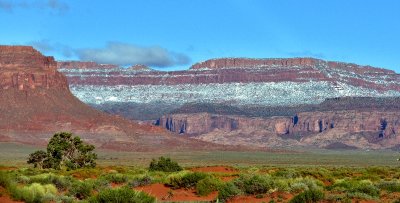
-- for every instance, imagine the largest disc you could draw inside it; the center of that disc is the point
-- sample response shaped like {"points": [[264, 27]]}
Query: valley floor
{"points": [[12, 154]]}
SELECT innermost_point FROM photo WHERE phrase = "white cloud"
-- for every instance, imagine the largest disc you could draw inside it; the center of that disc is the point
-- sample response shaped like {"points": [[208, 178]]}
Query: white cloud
{"points": [[129, 54]]}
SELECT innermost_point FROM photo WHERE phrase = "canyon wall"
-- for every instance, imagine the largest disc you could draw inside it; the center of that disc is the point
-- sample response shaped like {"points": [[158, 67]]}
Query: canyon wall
{"points": [[263, 102], [376, 121]]}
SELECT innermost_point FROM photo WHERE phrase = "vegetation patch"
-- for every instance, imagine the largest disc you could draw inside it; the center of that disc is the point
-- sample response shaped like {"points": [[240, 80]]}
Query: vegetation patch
{"points": [[123, 194], [255, 184], [207, 185], [186, 179], [164, 164], [267, 183]]}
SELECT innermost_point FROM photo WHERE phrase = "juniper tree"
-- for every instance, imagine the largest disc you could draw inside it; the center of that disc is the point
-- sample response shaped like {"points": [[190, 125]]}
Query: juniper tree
{"points": [[64, 150]]}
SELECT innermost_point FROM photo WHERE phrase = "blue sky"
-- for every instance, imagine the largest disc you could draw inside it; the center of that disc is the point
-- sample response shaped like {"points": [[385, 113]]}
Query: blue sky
{"points": [[173, 34]]}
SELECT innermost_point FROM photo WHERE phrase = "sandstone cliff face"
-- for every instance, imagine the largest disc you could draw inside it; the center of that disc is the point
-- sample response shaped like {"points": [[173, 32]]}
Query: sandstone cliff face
{"points": [[223, 63], [251, 63], [25, 68], [376, 125]]}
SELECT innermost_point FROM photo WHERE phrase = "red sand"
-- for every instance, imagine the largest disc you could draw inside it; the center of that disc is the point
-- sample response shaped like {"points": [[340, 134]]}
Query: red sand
{"points": [[164, 193], [7, 168], [228, 178], [4, 198]]}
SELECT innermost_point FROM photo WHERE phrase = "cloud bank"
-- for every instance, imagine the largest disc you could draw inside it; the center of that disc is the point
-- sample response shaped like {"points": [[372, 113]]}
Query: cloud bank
{"points": [[54, 5], [129, 54], [45, 46], [116, 53]]}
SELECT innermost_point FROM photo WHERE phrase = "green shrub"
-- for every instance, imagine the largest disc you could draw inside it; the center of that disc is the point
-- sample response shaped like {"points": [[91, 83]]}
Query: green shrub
{"points": [[287, 173], [281, 184], [317, 173], [308, 196], [207, 185], [359, 195], [81, 189], [338, 198], [122, 195], [99, 184], [298, 187], [35, 192], [186, 180], [254, 184], [61, 182], [66, 199], [391, 186], [116, 178], [367, 187], [227, 191], [48, 197], [354, 187], [23, 179], [164, 164], [377, 170], [141, 181], [5, 179], [302, 184]]}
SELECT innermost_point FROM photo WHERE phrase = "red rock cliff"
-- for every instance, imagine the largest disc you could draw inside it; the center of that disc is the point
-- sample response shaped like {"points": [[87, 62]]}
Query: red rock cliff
{"points": [[246, 62], [23, 68], [284, 62]]}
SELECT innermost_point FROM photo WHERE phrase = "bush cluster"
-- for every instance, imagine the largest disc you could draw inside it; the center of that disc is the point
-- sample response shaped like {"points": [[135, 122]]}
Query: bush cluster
{"points": [[123, 194], [308, 196], [186, 179], [35, 193], [254, 184], [207, 185], [141, 181], [227, 191], [81, 189], [363, 189], [164, 164], [116, 178]]}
